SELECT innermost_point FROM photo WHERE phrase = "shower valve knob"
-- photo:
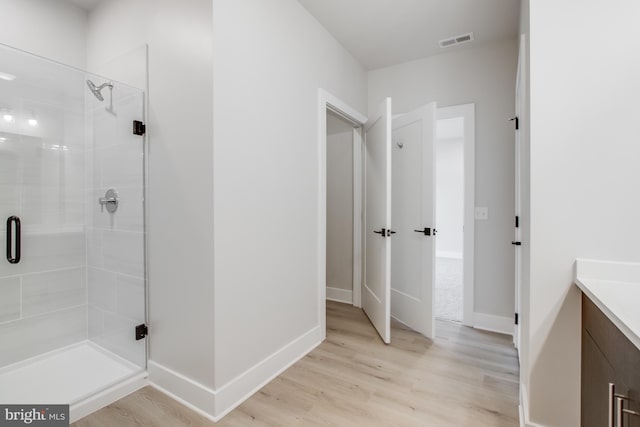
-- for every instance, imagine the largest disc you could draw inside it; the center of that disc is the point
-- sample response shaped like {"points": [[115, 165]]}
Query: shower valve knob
{"points": [[110, 200]]}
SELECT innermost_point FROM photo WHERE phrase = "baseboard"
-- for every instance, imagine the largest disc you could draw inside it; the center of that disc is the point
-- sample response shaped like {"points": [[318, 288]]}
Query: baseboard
{"points": [[447, 254], [107, 397], [489, 322], [232, 394], [190, 393], [215, 404], [339, 295], [524, 409]]}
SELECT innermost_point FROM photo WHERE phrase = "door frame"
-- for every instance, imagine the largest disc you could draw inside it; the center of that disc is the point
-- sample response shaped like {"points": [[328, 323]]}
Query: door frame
{"points": [[468, 112], [327, 101], [520, 99]]}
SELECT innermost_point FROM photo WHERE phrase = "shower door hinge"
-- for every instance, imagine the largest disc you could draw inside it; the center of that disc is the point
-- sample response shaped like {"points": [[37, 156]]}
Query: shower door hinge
{"points": [[517, 320], [139, 128], [141, 332]]}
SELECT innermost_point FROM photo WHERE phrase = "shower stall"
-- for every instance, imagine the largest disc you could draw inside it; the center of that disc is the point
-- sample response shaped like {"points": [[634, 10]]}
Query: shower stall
{"points": [[72, 224]]}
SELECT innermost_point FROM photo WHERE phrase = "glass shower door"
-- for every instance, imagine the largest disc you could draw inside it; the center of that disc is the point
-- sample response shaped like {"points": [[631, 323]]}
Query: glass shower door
{"points": [[115, 220], [42, 170]]}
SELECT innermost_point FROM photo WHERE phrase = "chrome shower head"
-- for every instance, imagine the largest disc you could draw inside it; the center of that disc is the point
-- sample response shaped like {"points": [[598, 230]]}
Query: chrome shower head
{"points": [[97, 90]]}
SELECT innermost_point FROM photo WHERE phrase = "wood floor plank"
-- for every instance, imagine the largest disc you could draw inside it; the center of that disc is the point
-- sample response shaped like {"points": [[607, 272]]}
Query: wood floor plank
{"points": [[464, 377]]}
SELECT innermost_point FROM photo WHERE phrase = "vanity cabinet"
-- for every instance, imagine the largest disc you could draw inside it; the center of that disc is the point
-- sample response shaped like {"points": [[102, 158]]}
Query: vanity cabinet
{"points": [[608, 357]]}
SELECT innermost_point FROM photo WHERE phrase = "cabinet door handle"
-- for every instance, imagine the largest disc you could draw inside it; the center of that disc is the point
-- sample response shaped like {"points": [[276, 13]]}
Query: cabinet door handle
{"points": [[619, 413], [612, 392]]}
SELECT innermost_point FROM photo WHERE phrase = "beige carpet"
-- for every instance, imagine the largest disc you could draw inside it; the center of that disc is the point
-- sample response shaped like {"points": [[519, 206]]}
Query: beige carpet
{"points": [[449, 297]]}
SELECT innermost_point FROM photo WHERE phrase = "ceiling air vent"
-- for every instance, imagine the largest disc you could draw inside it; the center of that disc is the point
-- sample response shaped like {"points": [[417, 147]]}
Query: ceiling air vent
{"points": [[452, 41]]}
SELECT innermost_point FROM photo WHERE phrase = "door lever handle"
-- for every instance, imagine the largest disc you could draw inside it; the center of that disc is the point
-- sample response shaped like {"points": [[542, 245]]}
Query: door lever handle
{"points": [[516, 243], [384, 232], [426, 231]]}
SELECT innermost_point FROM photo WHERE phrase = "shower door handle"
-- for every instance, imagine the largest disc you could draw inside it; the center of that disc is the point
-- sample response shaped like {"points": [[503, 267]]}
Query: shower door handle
{"points": [[12, 257]]}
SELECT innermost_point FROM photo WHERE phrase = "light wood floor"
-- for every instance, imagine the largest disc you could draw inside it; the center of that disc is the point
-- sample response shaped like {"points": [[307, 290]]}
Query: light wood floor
{"points": [[463, 378]]}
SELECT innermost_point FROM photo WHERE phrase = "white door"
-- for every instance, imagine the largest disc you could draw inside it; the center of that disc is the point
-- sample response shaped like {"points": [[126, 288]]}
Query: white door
{"points": [[376, 289], [413, 256]]}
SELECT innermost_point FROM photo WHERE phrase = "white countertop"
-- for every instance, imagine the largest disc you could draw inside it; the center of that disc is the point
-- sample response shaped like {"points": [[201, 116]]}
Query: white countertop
{"points": [[614, 287]]}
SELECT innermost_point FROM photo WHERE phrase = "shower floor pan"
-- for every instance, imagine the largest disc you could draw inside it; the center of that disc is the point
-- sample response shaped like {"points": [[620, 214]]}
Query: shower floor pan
{"points": [[83, 375]]}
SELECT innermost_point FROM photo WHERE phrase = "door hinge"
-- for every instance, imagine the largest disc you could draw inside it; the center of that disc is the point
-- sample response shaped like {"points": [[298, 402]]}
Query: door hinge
{"points": [[517, 120], [139, 128], [517, 319], [141, 332], [517, 222]]}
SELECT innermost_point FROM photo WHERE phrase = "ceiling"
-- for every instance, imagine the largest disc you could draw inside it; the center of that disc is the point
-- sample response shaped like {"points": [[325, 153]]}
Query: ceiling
{"points": [[86, 4], [380, 33]]}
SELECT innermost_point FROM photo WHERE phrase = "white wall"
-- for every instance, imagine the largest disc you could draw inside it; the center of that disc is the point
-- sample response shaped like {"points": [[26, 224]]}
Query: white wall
{"points": [[449, 197], [180, 186], [270, 59], [484, 75], [584, 177], [54, 29], [339, 206]]}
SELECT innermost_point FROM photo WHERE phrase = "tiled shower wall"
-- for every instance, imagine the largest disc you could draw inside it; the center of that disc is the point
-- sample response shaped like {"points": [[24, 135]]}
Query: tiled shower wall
{"points": [[43, 299], [115, 241]]}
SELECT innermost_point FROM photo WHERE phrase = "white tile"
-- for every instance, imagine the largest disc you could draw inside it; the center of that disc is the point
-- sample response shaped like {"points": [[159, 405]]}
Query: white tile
{"points": [[95, 257], [52, 291], [42, 161], [74, 128], [119, 166], [98, 216], [102, 289], [9, 203], [119, 338], [9, 299], [10, 160], [96, 322], [128, 217], [124, 252], [52, 206], [130, 213], [47, 251], [130, 297], [36, 335]]}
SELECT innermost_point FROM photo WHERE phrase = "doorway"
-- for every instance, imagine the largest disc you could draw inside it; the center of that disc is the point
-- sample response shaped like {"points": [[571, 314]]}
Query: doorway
{"points": [[340, 209], [455, 184], [450, 214], [340, 197]]}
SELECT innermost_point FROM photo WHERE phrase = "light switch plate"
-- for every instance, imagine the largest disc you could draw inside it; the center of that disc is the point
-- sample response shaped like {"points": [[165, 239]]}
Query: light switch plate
{"points": [[482, 213]]}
